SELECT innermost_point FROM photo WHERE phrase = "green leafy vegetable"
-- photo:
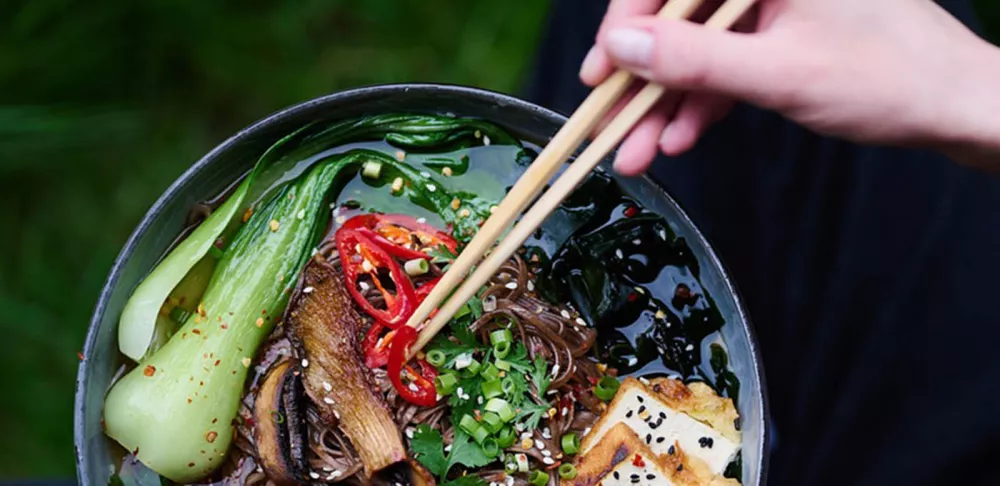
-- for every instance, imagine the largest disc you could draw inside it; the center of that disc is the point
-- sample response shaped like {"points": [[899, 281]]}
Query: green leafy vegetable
{"points": [[532, 413], [465, 481], [428, 447], [540, 376]]}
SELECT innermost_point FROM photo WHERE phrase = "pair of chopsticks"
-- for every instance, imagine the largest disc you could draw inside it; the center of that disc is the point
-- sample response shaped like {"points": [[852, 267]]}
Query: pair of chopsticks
{"points": [[583, 121]]}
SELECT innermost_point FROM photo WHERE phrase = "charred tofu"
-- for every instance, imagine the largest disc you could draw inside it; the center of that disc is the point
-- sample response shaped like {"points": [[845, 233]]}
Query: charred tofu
{"points": [[622, 458], [667, 414]]}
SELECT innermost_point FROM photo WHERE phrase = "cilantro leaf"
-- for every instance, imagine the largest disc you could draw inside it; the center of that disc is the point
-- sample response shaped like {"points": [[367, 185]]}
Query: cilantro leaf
{"points": [[428, 448], [464, 342], [518, 359], [540, 375], [531, 413], [466, 452], [476, 306], [467, 480]]}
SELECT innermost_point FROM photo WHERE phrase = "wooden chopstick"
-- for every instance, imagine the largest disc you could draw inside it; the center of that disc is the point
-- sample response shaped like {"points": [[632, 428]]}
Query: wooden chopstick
{"points": [[529, 185], [606, 141]]}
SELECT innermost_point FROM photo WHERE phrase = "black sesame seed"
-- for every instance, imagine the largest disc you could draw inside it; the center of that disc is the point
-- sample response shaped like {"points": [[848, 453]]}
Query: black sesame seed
{"points": [[706, 442], [649, 438], [634, 476], [736, 423], [617, 476], [629, 414], [640, 398], [670, 450], [663, 415], [659, 440], [680, 467], [654, 426], [642, 409], [650, 477]]}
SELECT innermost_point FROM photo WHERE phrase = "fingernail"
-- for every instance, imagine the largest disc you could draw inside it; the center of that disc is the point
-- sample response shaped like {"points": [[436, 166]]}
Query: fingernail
{"points": [[590, 64], [631, 46]]}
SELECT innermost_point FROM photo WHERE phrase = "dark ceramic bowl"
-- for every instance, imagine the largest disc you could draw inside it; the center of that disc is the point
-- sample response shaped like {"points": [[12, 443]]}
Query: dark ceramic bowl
{"points": [[225, 163]]}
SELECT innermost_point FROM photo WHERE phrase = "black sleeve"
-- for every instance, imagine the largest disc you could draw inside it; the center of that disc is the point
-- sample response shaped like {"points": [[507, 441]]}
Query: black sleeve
{"points": [[872, 275]]}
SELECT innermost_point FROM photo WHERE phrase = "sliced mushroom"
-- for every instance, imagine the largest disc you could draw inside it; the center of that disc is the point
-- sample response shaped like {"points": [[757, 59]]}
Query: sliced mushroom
{"points": [[279, 430], [323, 327]]}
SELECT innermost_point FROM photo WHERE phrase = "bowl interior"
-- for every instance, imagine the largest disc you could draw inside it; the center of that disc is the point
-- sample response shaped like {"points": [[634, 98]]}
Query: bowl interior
{"points": [[221, 166]]}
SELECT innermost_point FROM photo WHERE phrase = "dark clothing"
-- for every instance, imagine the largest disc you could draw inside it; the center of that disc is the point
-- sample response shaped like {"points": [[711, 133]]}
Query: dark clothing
{"points": [[872, 276]]}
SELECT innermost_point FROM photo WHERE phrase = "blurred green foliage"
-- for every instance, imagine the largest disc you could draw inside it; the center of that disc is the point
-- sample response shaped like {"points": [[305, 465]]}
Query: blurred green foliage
{"points": [[104, 103]]}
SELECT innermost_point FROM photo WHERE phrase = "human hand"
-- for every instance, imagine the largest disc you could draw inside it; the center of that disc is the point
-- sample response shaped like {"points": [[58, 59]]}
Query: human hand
{"points": [[887, 71]]}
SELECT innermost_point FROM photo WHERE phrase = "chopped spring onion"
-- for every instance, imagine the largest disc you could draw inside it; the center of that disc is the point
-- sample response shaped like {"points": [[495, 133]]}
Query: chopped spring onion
{"points": [[570, 444], [501, 336], [522, 462], [606, 388], [436, 358], [492, 389], [510, 467], [500, 407], [371, 169], [445, 384], [502, 340], [491, 422], [417, 266], [490, 372], [480, 434], [538, 478], [216, 252], [502, 365], [468, 424], [473, 368], [508, 386], [567, 471], [506, 437], [490, 448]]}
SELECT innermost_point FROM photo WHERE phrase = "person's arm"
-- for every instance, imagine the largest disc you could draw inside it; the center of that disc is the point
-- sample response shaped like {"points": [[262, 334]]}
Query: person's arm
{"points": [[892, 71]]}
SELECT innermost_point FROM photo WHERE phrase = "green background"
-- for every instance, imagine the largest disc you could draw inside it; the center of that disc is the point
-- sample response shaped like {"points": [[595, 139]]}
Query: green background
{"points": [[104, 103]]}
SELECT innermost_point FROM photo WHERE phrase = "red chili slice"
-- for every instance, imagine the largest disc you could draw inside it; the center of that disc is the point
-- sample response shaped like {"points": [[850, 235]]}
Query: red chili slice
{"points": [[377, 353], [420, 390], [360, 256], [401, 235], [425, 289]]}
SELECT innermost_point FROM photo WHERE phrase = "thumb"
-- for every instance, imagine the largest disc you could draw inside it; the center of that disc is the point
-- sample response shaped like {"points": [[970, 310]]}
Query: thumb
{"points": [[692, 57]]}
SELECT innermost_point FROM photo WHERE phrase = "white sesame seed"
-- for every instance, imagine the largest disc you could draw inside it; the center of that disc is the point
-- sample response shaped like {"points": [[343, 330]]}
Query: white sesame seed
{"points": [[328, 401], [409, 432], [546, 433], [340, 219], [431, 187], [619, 254], [327, 387], [425, 175], [541, 446], [640, 290], [564, 313], [413, 387], [580, 321], [586, 431], [308, 290], [663, 234], [305, 363], [314, 474], [479, 400], [531, 285], [555, 370], [689, 347], [644, 381], [447, 448], [525, 435], [637, 242], [364, 286], [546, 453], [548, 461], [421, 220], [327, 469], [632, 361], [336, 414], [565, 411], [486, 140], [511, 285]]}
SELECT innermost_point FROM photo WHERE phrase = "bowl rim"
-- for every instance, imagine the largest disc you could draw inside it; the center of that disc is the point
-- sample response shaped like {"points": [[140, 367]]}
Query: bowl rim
{"points": [[192, 172]]}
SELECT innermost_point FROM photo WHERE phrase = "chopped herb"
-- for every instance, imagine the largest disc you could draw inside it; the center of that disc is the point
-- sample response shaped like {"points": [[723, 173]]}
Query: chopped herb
{"points": [[428, 447], [467, 480], [541, 375], [531, 413], [442, 254]]}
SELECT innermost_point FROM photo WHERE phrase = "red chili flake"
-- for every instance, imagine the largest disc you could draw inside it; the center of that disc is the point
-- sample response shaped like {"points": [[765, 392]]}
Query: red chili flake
{"points": [[250, 422], [149, 371], [633, 297], [638, 462], [217, 362], [196, 331], [224, 326], [211, 436], [190, 464], [631, 211], [79, 355], [189, 400]]}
